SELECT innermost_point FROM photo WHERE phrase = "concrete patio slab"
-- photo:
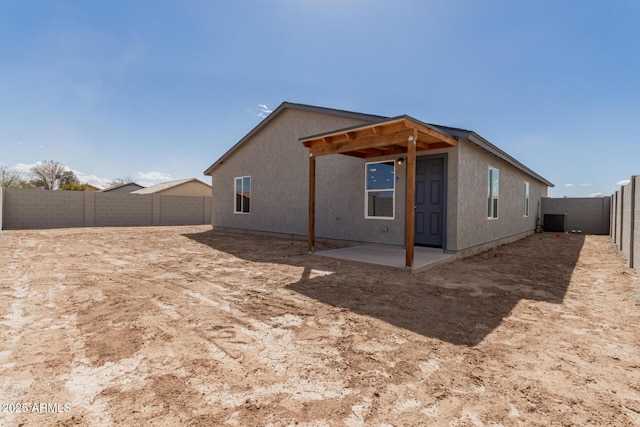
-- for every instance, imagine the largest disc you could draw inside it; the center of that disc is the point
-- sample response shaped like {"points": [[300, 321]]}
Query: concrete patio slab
{"points": [[390, 256]]}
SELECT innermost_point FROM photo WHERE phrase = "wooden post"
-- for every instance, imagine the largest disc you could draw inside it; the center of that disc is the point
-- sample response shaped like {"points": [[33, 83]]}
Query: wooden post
{"points": [[312, 202], [411, 198]]}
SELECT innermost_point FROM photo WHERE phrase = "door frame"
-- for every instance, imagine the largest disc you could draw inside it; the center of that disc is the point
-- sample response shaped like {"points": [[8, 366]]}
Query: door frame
{"points": [[445, 191]]}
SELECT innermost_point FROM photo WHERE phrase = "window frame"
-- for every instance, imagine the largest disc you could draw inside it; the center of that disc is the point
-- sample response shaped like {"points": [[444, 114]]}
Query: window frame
{"points": [[527, 199], [493, 194], [235, 199], [367, 191]]}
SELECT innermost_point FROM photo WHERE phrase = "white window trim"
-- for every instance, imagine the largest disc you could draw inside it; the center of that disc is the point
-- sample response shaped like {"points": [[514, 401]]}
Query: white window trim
{"points": [[366, 191], [527, 199], [235, 180], [490, 194]]}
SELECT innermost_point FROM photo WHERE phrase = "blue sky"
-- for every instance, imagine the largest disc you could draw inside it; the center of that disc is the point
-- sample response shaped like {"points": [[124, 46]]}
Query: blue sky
{"points": [[158, 90]]}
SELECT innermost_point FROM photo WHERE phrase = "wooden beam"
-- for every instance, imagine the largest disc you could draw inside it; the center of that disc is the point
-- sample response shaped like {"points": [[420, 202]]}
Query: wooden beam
{"points": [[312, 202], [350, 135], [373, 141], [410, 216], [439, 145]]}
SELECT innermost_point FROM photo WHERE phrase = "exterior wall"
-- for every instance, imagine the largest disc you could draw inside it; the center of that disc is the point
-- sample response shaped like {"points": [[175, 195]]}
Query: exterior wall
{"points": [[28, 208], [474, 229], [192, 188], [590, 215], [280, 191]]}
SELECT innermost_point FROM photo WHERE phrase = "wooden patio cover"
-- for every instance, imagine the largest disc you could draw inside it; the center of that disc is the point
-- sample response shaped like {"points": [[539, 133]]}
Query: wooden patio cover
{"points": [[400, 135]]}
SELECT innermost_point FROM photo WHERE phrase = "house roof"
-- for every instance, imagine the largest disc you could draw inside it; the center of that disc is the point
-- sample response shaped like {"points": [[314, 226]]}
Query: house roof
{"points": [[166, 185], [375, 120], [292, 106], [115, 187]]}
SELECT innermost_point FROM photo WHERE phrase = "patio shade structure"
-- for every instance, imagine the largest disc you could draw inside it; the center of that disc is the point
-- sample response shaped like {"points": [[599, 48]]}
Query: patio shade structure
{"points": [[398, 135]]}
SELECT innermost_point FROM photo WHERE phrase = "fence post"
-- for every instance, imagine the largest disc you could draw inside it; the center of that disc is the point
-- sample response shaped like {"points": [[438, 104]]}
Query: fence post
{"points": [[1, 207], [633, 220]]}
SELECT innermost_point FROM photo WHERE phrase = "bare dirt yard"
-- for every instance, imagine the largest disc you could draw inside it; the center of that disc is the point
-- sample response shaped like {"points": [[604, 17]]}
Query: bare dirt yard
{"points": [[163, 326]]}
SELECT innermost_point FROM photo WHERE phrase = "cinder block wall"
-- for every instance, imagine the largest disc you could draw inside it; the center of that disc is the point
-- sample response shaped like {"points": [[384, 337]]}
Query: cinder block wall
{"points": [[29, 208], [635, 262], [181, 210], [1, 211], [591, 215], [627, 207], [123, 209], [625, 226]]}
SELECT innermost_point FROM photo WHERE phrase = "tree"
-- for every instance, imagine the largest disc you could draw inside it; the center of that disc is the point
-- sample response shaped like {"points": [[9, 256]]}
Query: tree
{"points": [[122, 180], [47, 174], [76, 186], [11, 178]]}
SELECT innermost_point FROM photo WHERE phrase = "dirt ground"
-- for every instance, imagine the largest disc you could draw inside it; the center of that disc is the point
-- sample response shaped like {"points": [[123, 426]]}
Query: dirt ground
{"points": [[162, 326]]}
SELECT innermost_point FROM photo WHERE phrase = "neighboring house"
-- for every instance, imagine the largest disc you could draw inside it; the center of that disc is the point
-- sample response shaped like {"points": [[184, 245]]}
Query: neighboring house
{"points": [[182, 187], [128, 187], [333, 174]]}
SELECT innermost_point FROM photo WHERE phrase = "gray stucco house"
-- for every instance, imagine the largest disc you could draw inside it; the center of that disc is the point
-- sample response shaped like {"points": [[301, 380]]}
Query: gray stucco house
{"points": [[315, 172]]}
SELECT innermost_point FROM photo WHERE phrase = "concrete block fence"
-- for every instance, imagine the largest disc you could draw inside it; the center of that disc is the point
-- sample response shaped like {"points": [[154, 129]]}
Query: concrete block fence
{"points": [[589, 215], [625, 221], [34, 209]]}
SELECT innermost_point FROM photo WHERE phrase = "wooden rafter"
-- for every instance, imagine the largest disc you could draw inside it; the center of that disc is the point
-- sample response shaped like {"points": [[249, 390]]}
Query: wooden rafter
{"points": [[387, 138]]}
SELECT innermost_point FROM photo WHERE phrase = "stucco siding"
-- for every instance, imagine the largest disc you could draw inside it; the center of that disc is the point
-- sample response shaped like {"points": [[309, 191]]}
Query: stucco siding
{"points": [[192, 188], [340, 202], [473, 226], [279, 168]]}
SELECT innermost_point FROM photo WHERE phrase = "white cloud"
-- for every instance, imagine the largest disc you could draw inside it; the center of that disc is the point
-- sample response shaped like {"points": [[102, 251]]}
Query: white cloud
{"points": [[25, 167], [262, 111], [596, 195], [569, 185], [623, 182], [91, 179], [155, 176]]}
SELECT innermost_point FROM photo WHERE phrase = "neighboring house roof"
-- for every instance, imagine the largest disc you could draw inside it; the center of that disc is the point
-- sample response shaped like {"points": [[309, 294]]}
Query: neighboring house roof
{"points": [[290, 105], [166, 185], [447, 130], [115, 187]]}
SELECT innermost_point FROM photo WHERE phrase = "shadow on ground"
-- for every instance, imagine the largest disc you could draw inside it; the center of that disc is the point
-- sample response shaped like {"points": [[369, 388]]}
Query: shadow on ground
{"points": [[460, 302]]}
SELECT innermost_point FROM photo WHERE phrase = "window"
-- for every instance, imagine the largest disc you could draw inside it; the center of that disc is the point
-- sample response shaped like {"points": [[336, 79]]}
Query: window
{"points": [[492, 192], [526, 199], [380, 190], [243, 194]]}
